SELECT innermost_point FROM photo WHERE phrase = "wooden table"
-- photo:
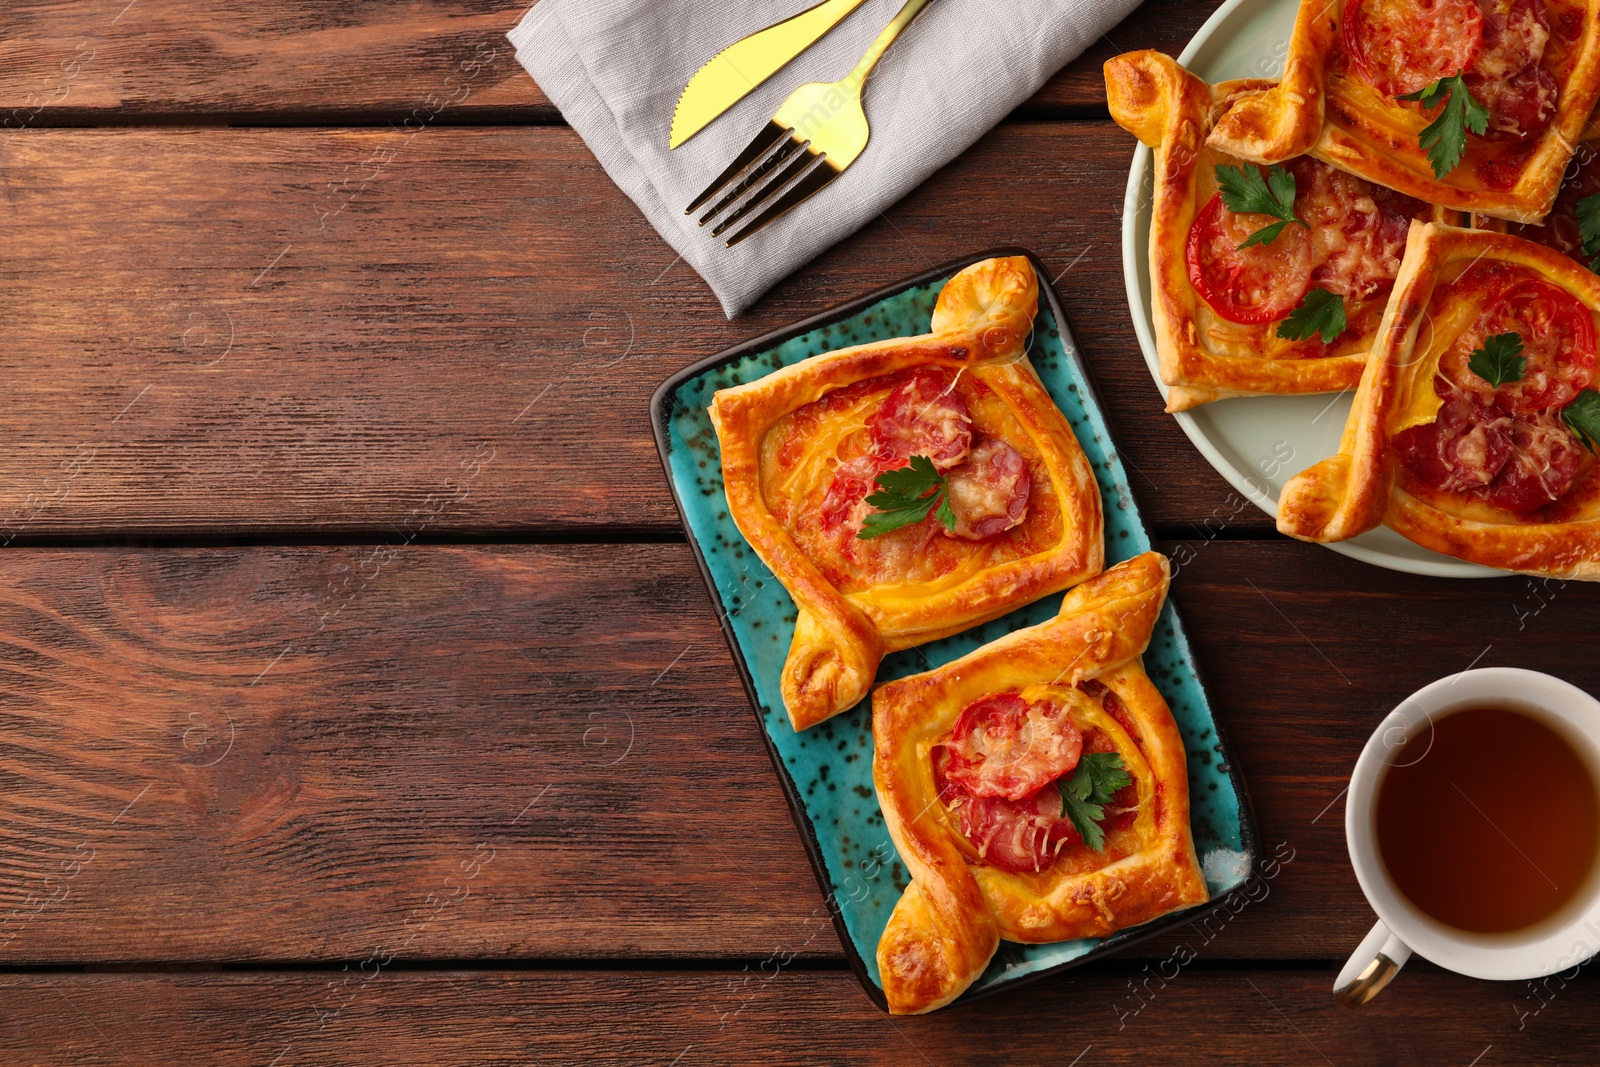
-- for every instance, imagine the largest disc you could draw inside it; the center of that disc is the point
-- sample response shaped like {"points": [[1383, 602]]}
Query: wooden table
{"points": [[361, 701]]}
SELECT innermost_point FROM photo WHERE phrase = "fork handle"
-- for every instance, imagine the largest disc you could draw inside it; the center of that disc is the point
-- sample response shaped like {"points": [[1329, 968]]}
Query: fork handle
{"points": [[910, 11]]}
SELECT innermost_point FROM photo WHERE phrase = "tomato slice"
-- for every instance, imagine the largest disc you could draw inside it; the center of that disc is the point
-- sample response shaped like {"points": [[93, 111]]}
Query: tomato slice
{"points": [[1558, 339], [1254, 285], [1401, 46], [1004, 746], [1018, 836], [1027, 833]]}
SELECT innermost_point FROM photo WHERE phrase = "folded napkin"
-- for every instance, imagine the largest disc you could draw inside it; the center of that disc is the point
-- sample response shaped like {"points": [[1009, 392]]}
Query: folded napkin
{"points": [[615, 69]]}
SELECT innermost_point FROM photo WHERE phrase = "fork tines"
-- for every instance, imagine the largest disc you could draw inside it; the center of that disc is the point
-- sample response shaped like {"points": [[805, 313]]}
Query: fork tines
{"points": [[800, 169]]}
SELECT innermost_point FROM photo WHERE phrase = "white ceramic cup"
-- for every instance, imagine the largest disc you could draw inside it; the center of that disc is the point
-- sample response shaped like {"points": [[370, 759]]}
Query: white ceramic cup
{"points": [[1557, 943]]}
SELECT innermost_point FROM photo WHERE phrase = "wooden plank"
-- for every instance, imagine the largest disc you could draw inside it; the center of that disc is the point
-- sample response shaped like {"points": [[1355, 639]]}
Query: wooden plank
{"points": [[1165, 25], [285, 332], [418, 748], [675, 1018], [301, 753], [89, 61]]}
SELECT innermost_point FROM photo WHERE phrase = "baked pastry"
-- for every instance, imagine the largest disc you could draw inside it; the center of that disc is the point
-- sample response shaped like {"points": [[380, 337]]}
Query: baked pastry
{"points": [[1531, 67], [1472, 430], [1227, 313], [1560, 229], [974, 764], [1006, 503]]}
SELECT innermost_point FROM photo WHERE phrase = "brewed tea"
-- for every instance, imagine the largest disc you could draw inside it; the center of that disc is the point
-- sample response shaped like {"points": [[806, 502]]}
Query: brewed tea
{"points": [[1488, 821]]}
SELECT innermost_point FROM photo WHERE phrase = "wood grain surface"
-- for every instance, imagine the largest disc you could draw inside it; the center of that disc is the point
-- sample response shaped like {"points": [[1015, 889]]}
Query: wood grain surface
{"points": [[95, 61], [303, 763], [278, 332], [289, 754], [682, 1019]]}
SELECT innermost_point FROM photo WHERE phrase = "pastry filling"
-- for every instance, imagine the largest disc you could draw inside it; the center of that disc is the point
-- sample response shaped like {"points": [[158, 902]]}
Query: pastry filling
{"points": [[1002, 773], [1403, 46], [1560, 229], [1351, 244], [1502, 439], [988, 480], [822, 462]]}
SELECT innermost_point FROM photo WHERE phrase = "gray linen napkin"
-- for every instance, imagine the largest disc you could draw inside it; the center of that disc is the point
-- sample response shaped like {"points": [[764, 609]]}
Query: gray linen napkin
{"points": [[615, 69]]}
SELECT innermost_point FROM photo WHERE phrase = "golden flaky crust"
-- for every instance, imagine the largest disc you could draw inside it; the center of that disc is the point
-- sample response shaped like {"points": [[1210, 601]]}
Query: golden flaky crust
{"points": [[980, 327], [951, 918], [1356, 489], [1320, 108], [1203, 357]]}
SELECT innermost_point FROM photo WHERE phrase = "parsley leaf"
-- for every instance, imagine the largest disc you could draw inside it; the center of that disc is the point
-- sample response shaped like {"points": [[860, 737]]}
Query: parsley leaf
{"points": [[1245, 191], [1445, 138], [1321, 312], [904, 498], [1582, 416], [1083, 799], [1588, 212], [1499, 360]]}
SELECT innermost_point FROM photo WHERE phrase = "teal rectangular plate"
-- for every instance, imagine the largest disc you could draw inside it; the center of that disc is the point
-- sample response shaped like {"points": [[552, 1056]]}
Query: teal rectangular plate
{"points": [[826, 772]]}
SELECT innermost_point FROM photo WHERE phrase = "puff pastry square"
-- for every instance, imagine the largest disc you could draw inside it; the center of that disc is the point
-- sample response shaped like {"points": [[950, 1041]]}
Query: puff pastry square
{"points": [[802, 447], [1218, 337], [1338, 98], [1492, 475], [966, 895]]}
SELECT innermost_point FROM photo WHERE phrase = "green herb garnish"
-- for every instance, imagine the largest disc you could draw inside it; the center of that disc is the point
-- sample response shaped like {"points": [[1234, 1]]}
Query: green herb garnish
{"points": [[1582, 416], [1445, 138], [905, 497], [1500, 360], [1083, 799], [1245, 191], [1321, 312], [1588, 213]]}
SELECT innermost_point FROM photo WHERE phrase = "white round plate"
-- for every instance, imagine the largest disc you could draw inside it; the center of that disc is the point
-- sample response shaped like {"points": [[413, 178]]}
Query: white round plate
{"points": [[1257, 443]]}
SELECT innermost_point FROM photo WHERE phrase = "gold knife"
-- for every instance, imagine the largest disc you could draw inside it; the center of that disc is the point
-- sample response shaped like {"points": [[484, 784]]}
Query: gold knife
{"points": [[736, 70]]}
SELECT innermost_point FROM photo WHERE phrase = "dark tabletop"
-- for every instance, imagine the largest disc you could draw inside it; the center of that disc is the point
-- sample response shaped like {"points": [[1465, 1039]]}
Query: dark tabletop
{"points": [[359, 698]]}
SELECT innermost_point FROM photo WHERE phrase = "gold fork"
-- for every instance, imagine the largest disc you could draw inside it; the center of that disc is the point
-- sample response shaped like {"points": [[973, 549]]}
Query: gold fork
{"points": [[818, 132]]}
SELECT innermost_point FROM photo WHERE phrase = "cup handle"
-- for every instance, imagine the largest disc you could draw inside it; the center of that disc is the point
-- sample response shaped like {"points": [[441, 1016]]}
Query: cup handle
{"points": [[1370, 968]]}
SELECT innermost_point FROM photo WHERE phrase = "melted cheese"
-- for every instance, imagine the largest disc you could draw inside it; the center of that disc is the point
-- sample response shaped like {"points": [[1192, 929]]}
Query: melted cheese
{"points": [[903, 597], [1522, 42], [983, 497], [1355, 268], [1088, 713], [812, 471], [1357, 257], [1450, 313]]}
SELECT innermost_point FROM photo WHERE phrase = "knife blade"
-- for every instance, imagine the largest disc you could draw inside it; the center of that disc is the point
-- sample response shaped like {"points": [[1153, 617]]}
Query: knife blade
{"points": [[735, 71]]}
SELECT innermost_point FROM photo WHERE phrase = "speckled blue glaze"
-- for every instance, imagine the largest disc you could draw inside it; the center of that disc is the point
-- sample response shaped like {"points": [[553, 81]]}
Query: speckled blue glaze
{"points": [[830, 766]]}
